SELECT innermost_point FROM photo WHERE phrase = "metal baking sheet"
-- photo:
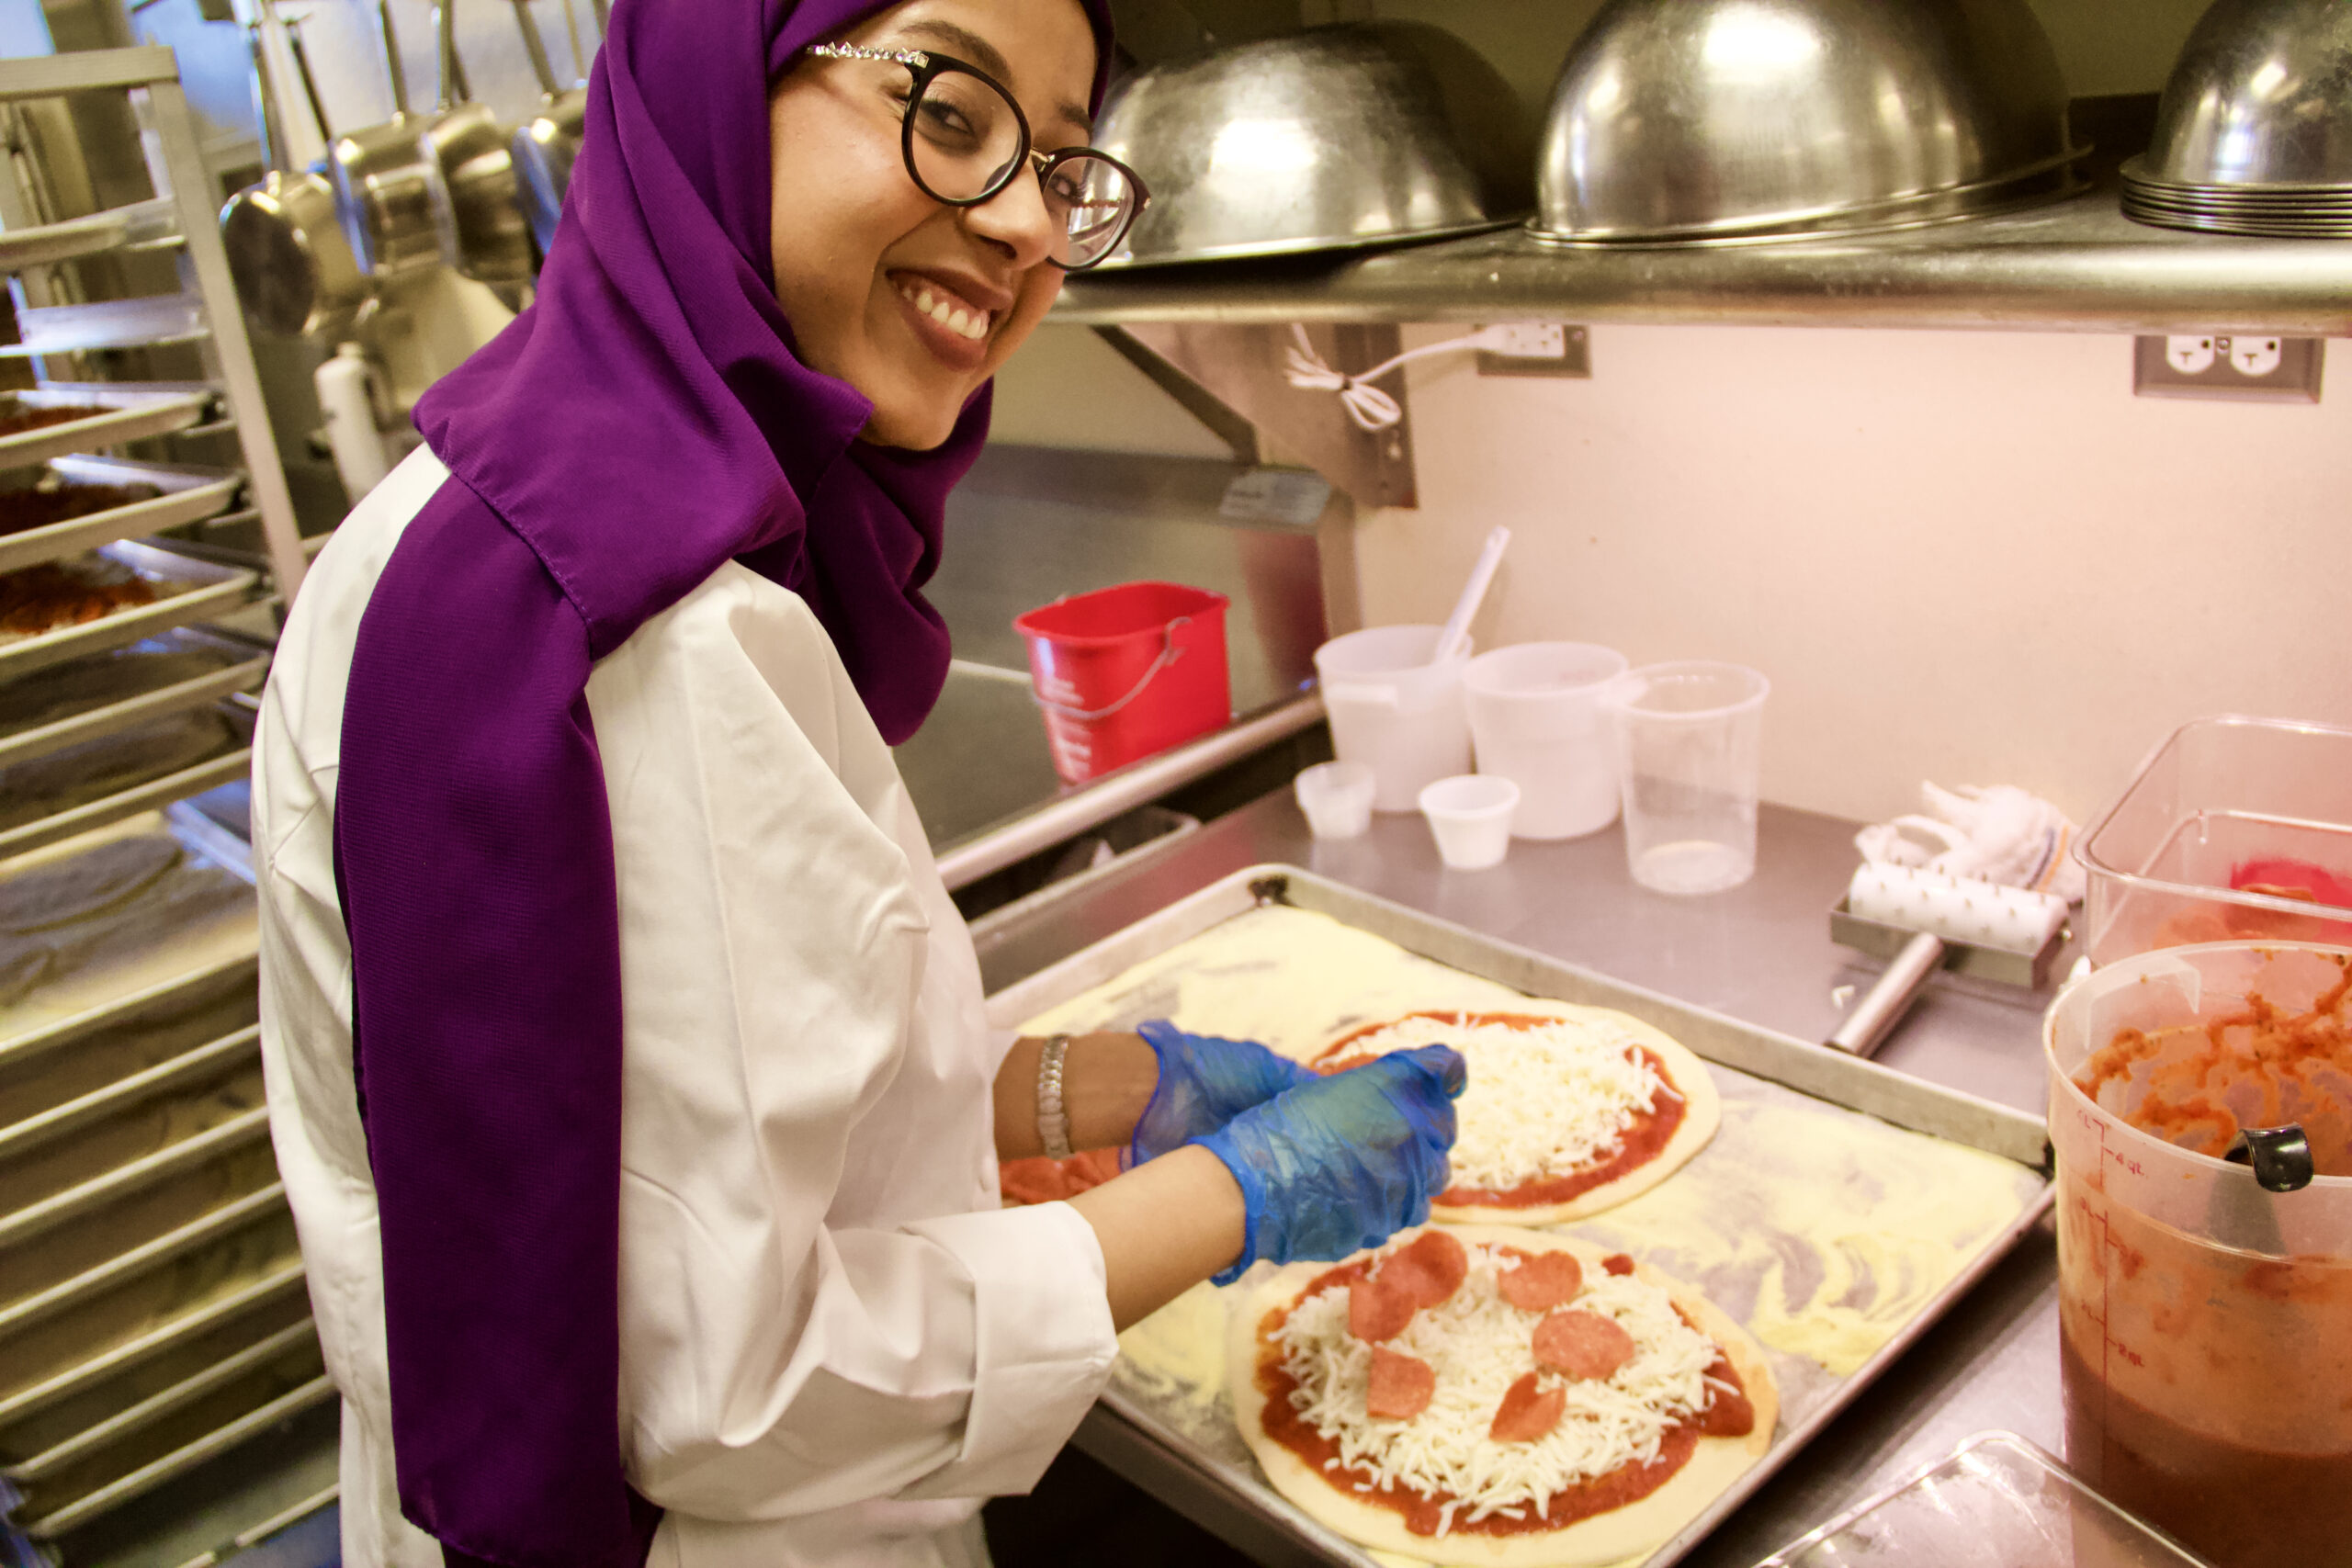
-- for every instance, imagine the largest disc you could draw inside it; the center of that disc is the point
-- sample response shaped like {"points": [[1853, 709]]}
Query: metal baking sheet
{"points": [[48, 242], [318, 1390], [189, 495], [83, 699], [133, 415], [189, 590], [230, 760], [278, 1295], [66, 1146], [1168, 1425], [59, 1328]]}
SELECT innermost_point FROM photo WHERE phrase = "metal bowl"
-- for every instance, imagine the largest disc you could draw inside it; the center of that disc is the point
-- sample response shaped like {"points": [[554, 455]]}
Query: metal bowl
{"points": [[1679, 120], [2261, 96], [1337, 137]]}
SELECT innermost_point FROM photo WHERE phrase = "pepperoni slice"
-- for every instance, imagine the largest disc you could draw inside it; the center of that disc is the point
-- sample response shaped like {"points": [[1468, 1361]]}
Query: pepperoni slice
{"points": [[1431, 1269], [1618, 1263], [1401, 1385], [1378, 1310], [1583, 1344], [1527, 1414], [1541, 1283]]}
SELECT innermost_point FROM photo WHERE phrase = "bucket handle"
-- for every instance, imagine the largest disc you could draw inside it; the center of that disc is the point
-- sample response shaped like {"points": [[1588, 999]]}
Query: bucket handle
{"points": [[1169, 654]]}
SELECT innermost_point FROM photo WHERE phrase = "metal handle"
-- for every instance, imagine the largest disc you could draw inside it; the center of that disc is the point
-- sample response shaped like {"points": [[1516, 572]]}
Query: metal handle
{"points": [[309, 83], [445, 25], [273, 131], [1884, 1005], [392, 59], [535, 47]]}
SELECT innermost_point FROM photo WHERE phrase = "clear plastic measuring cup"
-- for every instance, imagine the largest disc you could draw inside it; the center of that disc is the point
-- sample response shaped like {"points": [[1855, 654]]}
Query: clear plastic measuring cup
{"points": [[1690, 745], [1394, 711], [2206, 1322]]}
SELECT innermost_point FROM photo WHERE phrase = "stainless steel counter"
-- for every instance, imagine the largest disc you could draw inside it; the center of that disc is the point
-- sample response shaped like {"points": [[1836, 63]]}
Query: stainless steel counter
{"points": [[1760, 952]]}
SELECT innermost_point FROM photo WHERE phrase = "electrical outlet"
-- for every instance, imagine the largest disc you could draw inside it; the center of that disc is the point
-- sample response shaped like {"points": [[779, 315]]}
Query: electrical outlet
{"points": [[2256, 357], [2189, 356], [1538, 348], [2250, 367]]}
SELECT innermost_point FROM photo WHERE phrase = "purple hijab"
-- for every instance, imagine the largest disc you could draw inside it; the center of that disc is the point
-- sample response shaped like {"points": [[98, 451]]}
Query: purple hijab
{"points": [[643, 423]]}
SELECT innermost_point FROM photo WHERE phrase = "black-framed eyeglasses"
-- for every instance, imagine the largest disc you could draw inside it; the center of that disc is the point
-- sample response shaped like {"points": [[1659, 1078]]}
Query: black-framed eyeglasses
{"points": [[966, 138]]}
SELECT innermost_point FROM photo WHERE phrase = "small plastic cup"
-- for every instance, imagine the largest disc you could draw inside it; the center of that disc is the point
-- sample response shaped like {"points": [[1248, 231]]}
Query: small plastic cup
{"points": [[1690, 741], [1470, 817], [1394, 711], [1337, 798], [1536, 718]]}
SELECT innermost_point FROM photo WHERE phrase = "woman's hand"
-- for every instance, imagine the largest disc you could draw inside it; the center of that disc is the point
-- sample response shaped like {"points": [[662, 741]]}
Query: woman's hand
{"points": [[1204, 1081], [1341, 1163]]}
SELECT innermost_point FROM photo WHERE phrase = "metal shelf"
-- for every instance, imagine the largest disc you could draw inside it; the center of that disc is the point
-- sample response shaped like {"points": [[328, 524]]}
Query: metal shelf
{"points": [[2075, 265], [141, 226]]}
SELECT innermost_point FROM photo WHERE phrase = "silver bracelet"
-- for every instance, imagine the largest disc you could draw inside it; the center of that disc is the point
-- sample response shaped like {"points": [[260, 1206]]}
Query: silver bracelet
{"points": [[1053, 1121]]}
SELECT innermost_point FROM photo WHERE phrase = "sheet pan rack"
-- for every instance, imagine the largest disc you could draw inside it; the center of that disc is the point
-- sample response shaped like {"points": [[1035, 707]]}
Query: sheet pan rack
{"points": [[154, 1319]]}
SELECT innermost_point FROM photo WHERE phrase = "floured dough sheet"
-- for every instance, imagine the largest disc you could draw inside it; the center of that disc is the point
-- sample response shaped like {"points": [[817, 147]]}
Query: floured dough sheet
{"points": [[1822, 1230]]}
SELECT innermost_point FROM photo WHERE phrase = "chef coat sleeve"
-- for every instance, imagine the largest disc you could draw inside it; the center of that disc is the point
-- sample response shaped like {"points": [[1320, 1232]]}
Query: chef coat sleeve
{"points": [[820, 1304]]}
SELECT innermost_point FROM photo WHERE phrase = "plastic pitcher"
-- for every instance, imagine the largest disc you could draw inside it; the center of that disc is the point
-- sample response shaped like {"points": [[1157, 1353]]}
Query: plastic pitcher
{"points": [[1536, 718], [1394, 711], [2206, 1319]]}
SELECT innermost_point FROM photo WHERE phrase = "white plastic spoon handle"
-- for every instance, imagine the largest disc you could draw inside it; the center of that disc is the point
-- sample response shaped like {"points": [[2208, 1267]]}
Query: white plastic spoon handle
{"points": [[1474, 593]]}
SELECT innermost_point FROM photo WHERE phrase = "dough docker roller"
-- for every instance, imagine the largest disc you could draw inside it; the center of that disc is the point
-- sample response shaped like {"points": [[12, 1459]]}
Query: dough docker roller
{"points": [[1923, 921]]}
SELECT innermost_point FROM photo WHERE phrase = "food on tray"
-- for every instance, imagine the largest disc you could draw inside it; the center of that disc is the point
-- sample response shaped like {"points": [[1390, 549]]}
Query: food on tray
{"points": [[1043, 1181], [17, 418], [1569, 1111], [53, 594], [64, 690], [63, 918], [55, 499], [1530, 1401]]}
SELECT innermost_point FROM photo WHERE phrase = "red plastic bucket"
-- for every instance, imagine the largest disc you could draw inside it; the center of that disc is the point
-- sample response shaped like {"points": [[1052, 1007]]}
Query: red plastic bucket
{"points": [[1125, 671]]}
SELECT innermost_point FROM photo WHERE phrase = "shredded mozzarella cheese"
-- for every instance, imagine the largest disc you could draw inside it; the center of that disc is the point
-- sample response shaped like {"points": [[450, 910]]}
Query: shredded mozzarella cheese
{"points": [[1542, 1101], [1479, 1344]]}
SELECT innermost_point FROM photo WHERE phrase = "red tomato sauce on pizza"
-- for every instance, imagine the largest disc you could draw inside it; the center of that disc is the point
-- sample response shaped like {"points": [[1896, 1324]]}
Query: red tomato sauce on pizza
{"points": [[1727, 1417], [1641, 1143]]}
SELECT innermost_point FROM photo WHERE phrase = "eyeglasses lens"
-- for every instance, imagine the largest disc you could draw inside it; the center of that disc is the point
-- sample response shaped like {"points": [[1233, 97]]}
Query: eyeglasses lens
{"points": [[966, 138], [1091, 198]]}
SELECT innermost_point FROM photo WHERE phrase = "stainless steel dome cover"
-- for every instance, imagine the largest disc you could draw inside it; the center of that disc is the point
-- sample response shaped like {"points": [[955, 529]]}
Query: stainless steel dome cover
{"points": [[2261, 96], [1719, 119], [1364, 134]]}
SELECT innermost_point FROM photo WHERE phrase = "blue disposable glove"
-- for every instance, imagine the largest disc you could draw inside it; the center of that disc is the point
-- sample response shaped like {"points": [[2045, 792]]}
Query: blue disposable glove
{"points": [[1205, 1082], [1341, 1163]]}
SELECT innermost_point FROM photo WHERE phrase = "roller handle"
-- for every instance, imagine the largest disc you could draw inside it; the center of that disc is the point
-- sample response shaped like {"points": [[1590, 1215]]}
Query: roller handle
{"points": [[1884, 1005]]}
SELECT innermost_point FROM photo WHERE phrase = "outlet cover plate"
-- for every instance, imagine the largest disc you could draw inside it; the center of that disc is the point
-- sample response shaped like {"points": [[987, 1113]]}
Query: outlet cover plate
{"points": [[1577, 359], [2211, 365]]}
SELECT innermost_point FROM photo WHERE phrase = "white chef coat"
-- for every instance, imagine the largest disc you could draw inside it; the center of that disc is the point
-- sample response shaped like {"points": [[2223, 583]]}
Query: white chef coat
{"points": [[833, 1342]]}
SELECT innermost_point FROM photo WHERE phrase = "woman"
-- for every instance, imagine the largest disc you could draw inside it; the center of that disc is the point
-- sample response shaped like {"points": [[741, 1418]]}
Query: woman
{"points": [[626, 1063]]}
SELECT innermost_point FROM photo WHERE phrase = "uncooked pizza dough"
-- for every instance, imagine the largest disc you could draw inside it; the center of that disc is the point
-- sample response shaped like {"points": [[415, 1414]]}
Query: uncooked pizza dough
{"points": [[1508, 1099], [1460, 1440]]}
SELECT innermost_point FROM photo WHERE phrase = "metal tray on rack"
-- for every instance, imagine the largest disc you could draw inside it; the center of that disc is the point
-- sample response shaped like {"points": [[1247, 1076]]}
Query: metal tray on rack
{"points": [[141, 223], [129, 785], [57, 1329], [189, 495], [60, 1148], [67, 704], [133, 415], [117, 1400], [111, 1046], [158, 1356], [318, 1390], [1807, 1133], [147, 320], [297, 1341], [189, 590]]}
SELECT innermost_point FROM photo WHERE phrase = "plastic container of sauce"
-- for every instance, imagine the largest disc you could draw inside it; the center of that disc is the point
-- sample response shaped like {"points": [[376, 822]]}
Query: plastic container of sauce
{"points": [[2206, 1319]]}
